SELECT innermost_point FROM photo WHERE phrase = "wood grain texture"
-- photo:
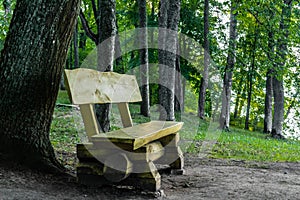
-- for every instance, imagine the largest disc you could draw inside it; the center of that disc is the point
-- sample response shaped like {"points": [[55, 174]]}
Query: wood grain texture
{"points": [[89, 86], [125, 114], [141, 134], [89, 119]]}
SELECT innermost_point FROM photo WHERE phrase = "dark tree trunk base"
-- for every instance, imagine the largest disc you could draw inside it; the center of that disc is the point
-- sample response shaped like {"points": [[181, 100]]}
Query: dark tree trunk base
{"points": [[276, 135]]}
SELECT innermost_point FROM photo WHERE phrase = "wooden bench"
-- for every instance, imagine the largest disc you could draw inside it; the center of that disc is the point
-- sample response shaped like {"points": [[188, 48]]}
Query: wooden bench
{"points": [[124, 156]]}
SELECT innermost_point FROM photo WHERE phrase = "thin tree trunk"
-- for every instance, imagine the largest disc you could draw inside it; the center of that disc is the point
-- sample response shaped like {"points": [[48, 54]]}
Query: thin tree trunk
{"points": [[31, 66], [237, 100], [227, 82], [82, 40], [251, 81], [268, 103], [144, 68], [204, 80], [118, 54], [70, 64], [75, 43], [178, 87], [183, 94], [241, 107]]}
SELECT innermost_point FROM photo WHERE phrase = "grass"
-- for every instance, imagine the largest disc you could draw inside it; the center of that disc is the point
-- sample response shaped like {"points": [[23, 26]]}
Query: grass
{"points": [[67, 130], [246, 145]]}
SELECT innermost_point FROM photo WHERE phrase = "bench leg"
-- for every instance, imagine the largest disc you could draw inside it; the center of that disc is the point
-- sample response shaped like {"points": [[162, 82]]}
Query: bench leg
{"points": [[145, 176], [173, 155], [91, 173]]}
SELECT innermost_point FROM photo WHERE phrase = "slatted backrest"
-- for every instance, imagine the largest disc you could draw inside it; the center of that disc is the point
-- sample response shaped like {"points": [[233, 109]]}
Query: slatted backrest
{"points": [[87, 87]]}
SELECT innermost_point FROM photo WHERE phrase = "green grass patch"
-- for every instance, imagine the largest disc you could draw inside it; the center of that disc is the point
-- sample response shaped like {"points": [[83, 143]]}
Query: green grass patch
{"points": [[246, 145], [63, 97], [67, 130], [64, 132]]}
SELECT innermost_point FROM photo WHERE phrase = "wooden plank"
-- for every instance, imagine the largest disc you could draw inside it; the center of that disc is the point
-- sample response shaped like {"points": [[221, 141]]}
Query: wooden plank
{"points": [[117, 167], [149, 152], [141, 134], [90, 86], [90, 168], [125, 114], [89, 119]]}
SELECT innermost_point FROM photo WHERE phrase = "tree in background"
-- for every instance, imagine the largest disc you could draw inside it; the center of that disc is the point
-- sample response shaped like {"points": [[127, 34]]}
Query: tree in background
{"points": [[106, 53], [278, 88], [144, 68], [269, 74], [227, 82], [105, 16], [168, 19], [204, 80], [31, 65]]}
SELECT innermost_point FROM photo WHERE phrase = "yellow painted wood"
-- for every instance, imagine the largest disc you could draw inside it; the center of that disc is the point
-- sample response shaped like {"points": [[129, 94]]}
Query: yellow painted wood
{"points": [[89, 86], [125, 114], [149, 152], [117, 167], [90, 168], [89, 119], [141, 134]]}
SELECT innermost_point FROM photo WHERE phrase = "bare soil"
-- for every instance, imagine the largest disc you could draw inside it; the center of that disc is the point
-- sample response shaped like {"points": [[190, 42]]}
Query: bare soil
{"points": [[203, 179]]}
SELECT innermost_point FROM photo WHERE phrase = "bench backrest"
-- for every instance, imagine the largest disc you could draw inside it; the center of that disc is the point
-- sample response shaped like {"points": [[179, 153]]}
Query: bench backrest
{"points": [[87, 87]]}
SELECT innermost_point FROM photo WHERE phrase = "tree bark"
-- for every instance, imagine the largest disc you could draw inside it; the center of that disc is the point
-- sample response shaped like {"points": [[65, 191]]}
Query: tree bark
{"points": [[75, 42], [106, 52], [204, 80], [178, 87], [250, 80], [278, 88], [269, 77], [168, 18], [144, 68], [238, 99], [31, 66], [268, 103], [227, 82]]}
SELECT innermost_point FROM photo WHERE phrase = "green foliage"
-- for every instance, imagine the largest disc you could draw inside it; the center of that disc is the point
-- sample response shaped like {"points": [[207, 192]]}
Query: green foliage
{"points": [[63, 97], [255, 19], [5, 18]]}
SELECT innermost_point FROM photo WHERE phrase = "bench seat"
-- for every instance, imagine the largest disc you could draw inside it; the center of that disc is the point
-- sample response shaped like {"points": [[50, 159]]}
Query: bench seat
{"points": [[139, 135]]}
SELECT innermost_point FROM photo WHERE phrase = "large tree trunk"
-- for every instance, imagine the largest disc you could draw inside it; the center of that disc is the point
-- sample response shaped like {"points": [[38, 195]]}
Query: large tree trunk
{"points": [[168, 18], [106, 52], [227, 82], [31, 65], [278, 88], [144, 68], [204, 80]]}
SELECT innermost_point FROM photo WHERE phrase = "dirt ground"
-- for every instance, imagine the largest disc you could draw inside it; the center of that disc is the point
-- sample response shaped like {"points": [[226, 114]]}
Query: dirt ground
{"points": [[203, 179]]}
